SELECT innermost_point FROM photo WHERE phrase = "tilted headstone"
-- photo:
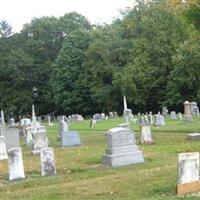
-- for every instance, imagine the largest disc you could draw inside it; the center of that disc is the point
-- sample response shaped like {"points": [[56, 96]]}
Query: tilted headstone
{"points": [[40, 141], [11, 137], [15, 164], [70, 138], [188, 173], [3, 152], [48, 167], [145, 134], [121, 148], [173, 115]]}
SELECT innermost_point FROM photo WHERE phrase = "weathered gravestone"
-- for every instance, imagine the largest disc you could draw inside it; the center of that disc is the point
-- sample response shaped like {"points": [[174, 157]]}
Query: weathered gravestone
{"points": [[3, 152], [121, 148], [15, 164], [48, 167], [145, 134], [180, 116], [173, 115], [188, 173], [49, 121], [194, 108], [164, 111], [11, 137], [187, 111], [40, 141], [70, 138], [28, 135], [62, 126], [159, 120]]}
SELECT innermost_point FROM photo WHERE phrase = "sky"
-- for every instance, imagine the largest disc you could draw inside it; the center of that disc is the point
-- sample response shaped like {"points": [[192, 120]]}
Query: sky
{"points": [[19, 12]]}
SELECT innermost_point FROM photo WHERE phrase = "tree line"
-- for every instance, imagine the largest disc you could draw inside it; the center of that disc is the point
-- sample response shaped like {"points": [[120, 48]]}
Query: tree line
{"points": [[151, 54]]}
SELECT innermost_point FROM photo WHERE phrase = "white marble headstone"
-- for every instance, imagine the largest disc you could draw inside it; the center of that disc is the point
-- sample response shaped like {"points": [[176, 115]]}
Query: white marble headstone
{"points": [[188, 167], [48, 167], [146, 136], [3, 152], [15, 164]]}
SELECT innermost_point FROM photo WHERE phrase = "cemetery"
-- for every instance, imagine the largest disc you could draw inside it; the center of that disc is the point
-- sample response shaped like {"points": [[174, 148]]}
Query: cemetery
{"points": [[99, 100], [106, 161]]}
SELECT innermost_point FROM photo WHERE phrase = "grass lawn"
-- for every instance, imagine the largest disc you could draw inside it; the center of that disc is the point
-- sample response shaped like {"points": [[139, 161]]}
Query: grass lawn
{"points": [[80, 174]]}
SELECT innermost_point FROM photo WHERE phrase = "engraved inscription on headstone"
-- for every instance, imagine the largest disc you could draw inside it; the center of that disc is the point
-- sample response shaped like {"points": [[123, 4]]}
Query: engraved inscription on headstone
{"points": [[188, 167], [121, 148], [47, 160], [15, 164]]}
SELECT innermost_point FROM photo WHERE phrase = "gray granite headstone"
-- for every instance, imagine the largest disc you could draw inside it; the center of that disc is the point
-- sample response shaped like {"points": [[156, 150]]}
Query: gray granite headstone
{"points": [[15, 164], [48, 167], [188, 167], [11, 137], [121, 148], [70, 138], [3, 152], [173, 115]]}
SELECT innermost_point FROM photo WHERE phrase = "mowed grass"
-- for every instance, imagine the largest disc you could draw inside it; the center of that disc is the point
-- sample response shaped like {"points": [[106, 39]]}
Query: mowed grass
{"points": [[81, 175]]}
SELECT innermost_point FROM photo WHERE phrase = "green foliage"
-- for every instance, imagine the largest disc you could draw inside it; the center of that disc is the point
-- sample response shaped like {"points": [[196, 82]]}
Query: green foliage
{"points": [[70, 92]]}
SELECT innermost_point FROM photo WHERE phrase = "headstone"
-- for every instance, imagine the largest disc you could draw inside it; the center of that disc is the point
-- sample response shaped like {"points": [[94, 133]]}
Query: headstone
{"points": [[164, 111], [194, 109], [103, 116], [25, 122], [49, 121], [48, 167], [2, 117], [173, 115], [111, 114], [12, 122], [3, 152], [121, 148], [28, 135], [97, 116], [11, 137], [193, 136], [15, 164], [146, 136], [150, 119], [40, 141], [70, 138], [63, 127], [188, 173], [180, 116], [187, 111], [159, 120]]}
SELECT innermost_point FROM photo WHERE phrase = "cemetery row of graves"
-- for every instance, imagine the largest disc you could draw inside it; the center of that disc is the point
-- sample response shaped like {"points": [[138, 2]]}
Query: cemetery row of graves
{"points": [[27, 145]]}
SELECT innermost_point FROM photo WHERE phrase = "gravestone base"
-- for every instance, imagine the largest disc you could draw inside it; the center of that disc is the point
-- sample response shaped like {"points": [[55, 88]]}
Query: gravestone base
{"points": [[186, 188], [193, 136], [70, 138], [118, 157]]}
